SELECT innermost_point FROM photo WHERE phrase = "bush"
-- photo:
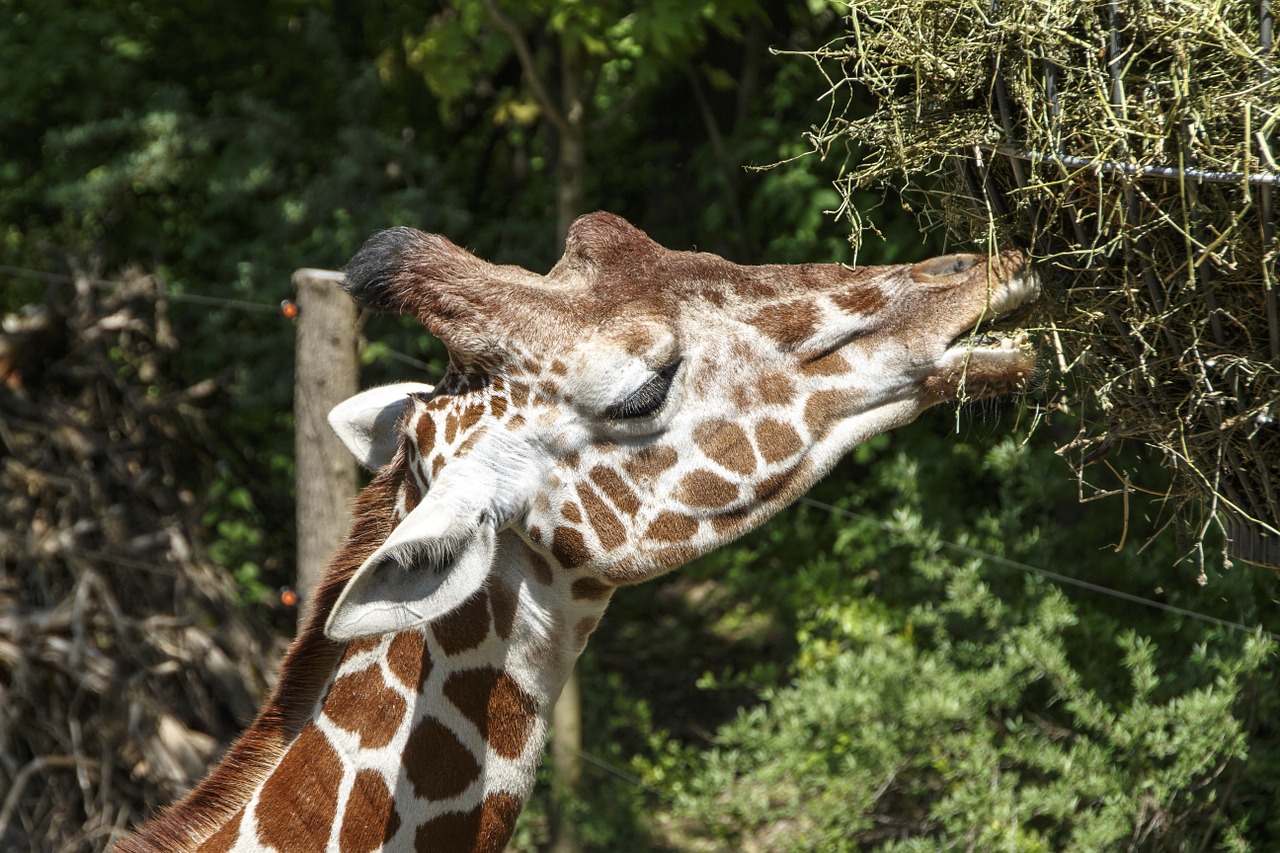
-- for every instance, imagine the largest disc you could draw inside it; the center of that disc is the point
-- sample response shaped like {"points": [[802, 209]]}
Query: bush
{"points": [[963, 702]]}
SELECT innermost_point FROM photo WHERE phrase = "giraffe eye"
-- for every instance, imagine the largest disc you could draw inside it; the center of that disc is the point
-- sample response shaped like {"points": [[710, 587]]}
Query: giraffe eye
{"points": [[648, 398]]}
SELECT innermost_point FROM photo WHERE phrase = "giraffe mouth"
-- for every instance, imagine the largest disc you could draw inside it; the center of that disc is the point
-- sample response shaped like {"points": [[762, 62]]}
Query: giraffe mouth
{"points": [[999, 329], [993, 357], [986, 365]]}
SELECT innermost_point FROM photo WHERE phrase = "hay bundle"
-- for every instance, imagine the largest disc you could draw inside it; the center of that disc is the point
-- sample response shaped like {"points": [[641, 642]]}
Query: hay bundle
{"points": [[1129, 145]]}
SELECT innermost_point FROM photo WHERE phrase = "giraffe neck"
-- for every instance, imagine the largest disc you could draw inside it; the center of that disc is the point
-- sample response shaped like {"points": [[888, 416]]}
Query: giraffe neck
{"points": [[430, 739], [427, 739]]}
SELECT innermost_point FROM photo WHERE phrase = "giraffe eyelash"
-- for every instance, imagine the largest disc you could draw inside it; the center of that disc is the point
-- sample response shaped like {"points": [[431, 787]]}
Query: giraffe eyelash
{"points": [[648, 398]]}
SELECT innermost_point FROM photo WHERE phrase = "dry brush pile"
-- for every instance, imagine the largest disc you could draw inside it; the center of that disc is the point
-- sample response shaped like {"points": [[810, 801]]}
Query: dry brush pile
{"points": [[125, 662], [1131, 146]]}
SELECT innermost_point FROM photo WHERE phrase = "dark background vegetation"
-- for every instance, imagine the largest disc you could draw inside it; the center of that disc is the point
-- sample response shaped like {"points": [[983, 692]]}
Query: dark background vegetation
{"points": [[890, 666]]}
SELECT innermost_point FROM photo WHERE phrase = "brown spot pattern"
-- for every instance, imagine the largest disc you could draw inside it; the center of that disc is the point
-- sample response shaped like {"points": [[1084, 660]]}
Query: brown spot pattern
{"points": [[497, 705], [436, 762], [705, 489], [502, 599], [412, 494], [615, 488], [729, 522], [305, 783], [370, 819], [672, 527], [570, 512], [590, 588], [777, 440], [635, 339], [769, 488], [464, 628], [650, 462], [450, 427], [541, 569], [789, 324], [472, 439], [674, 556], [519, 395], [776, 389], [498, 815], [436, 465], [603, 520], [484, 829], [727, 444], [363, 703], [569, 548], [864, 299], [361, 645], [255, 755], [426, 433], [409, 660], [497, 405], [583, 630], [823, 408], [832, 364], [471, 416]]}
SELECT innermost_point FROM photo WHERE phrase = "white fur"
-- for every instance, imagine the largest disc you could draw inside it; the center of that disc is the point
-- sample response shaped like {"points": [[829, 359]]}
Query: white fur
{"points": [[443, 551], [366, 422]]}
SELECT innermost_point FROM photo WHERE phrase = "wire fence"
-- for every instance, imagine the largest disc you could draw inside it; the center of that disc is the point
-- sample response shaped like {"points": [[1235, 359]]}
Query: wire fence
{"points": [[1057, 577], [285, 309], [601, 764]]}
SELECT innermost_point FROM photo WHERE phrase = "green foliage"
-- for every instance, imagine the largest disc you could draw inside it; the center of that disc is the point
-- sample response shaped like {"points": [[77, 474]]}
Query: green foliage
{"points": [[837, 679], [940, 699], [237, 525], [220, 149]]}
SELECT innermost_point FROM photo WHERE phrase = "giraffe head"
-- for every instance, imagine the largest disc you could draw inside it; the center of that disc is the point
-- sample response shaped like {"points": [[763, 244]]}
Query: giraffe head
{"points": [[637, 407]]}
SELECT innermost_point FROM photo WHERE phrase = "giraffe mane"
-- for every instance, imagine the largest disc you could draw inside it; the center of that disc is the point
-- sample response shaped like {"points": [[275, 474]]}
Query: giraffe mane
{"points": [[304, 673]]}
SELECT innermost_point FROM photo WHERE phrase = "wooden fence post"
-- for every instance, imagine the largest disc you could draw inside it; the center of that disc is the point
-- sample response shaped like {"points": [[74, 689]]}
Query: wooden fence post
{"points": [[326, 372]]}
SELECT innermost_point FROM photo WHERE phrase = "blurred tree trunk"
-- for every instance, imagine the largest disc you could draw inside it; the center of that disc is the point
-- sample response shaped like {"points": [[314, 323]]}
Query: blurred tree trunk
{"points": [[566, 719], [568, 118], [571, 172]]}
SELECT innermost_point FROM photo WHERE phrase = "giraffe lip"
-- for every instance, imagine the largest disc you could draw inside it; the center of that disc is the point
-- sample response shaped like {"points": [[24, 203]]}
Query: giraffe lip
{"points": [[1009, 308], [1013, 346], [994, 356], [1019, 290]]}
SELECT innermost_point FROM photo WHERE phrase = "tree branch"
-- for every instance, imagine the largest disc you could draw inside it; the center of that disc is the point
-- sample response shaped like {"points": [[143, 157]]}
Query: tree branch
{"points": [[525, 55], [722, 155]]}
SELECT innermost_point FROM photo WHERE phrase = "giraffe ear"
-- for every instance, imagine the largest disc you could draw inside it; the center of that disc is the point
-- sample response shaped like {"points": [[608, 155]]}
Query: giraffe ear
{"points": [[429, 565], [366, 422]]}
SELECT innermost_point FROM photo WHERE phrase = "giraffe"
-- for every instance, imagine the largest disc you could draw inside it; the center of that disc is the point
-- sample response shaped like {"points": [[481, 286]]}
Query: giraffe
{"points": [[597, 426]]}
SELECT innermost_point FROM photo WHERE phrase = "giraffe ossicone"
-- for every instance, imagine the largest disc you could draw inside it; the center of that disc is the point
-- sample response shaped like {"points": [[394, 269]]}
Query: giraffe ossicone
{"points": [[628, 411]]}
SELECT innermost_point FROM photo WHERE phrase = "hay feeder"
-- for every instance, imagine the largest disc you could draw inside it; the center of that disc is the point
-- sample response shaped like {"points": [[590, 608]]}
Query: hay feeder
{"points": [[1131, 147]]}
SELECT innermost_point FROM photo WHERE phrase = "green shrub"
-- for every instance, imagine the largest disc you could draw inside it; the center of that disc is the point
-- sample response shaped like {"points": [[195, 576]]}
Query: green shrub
{"points": [[945, 700]]}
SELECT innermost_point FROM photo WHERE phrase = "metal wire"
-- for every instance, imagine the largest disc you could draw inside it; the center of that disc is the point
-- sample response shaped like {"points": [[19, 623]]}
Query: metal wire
{"points": [[1112, 167], [1054, 576]]}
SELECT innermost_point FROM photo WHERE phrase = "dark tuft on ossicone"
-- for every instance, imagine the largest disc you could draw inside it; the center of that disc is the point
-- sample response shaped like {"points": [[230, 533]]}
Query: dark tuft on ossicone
{"points": [[371, 275]]}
